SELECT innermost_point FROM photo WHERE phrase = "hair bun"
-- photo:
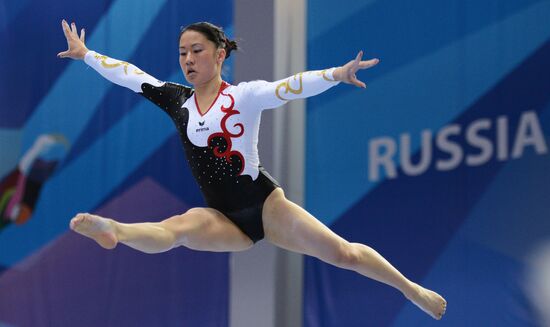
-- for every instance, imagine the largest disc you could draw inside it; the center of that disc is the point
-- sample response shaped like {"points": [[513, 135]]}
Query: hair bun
{"points": [[230, 45]]}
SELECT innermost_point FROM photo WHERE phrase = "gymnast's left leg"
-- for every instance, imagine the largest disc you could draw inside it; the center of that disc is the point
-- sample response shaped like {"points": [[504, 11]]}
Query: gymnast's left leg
{"points": [[289, 226]]}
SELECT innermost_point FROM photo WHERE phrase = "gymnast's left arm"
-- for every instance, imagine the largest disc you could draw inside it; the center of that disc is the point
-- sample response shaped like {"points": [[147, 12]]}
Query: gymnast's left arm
{"points": [[266, 95]]}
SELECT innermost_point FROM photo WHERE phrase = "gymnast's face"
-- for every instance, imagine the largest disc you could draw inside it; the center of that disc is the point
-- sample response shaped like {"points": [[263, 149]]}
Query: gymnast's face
{"points": [[200, 59]]}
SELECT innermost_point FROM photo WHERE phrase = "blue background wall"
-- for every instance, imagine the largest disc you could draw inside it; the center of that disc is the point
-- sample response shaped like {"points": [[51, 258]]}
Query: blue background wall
{"points": [[473, 232], [124, 161], [477, 234]]}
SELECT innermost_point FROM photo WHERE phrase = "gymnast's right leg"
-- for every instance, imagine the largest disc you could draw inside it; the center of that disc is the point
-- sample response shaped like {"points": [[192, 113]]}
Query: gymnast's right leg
{"points": [[204, 229]]}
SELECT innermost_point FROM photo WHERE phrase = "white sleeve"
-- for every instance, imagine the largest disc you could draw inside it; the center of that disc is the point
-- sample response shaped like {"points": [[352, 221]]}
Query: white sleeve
{"points": [[120, 72], [267, 95]]}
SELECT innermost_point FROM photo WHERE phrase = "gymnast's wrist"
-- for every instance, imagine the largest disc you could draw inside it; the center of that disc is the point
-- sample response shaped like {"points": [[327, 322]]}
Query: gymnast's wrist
{"points": [[81, 54], [337, 74]]}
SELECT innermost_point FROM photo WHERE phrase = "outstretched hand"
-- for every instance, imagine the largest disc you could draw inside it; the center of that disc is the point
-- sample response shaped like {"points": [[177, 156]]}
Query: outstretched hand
{"points": [[347, 72], [76, 47]]}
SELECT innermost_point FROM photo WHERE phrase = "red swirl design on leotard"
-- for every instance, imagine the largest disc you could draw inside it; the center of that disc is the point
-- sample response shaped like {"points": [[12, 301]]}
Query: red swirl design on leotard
{"points": [[227, 135]]}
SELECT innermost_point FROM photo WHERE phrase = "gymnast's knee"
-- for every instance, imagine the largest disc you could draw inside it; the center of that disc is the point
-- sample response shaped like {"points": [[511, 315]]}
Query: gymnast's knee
{"points": [[175, 225], [346, 256]]}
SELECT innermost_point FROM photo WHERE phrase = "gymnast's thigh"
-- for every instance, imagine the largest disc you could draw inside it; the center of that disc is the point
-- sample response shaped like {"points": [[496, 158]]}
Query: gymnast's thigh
{"points": [[207, 229], [291, 227]]}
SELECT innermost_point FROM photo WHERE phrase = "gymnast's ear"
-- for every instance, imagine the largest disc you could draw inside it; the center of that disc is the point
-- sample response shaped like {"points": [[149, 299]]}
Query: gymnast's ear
{"points": [[220, 55]]}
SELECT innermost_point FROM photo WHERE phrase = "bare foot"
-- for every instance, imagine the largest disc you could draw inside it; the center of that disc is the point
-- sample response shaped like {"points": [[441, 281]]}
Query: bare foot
{"points": [[95, 227], [429, 301]]}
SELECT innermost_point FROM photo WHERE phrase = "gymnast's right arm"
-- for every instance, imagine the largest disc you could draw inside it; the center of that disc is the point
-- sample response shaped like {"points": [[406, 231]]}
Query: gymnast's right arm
{"points": [[116, 71], [120, 72], [168, 96]]}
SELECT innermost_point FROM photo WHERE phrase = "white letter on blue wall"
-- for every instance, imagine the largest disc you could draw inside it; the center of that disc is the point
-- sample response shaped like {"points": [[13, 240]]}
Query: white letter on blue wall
{"points": [[502, 138], [446, 145], [529, 122], [425, 154], [384, 159], [482, 143]]}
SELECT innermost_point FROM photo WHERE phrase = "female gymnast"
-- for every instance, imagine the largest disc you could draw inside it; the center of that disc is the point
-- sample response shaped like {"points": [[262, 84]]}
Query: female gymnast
{"points": [[218, 124]]}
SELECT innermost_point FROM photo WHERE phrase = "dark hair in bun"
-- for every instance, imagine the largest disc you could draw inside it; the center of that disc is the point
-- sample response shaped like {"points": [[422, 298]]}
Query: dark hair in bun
{"points": [[213, 33]]}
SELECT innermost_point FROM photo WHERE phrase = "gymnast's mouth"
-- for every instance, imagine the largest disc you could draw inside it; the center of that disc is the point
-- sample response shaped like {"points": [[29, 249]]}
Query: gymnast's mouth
{"points": [[191, 71]]}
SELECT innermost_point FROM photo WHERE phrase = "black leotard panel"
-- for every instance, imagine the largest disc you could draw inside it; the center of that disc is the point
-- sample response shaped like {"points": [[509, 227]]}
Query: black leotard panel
{"points": [[237, 196]]}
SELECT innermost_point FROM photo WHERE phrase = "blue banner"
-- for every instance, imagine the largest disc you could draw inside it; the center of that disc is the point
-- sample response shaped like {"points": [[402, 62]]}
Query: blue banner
{"points": [[440, 164], [72, 142]]}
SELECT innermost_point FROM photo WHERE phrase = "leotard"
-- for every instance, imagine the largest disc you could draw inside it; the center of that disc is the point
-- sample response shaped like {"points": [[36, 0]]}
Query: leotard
{"points": [[221, 144]]}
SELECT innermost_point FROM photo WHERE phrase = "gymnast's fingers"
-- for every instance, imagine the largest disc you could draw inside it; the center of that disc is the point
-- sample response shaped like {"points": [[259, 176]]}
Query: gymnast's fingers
{"points": [[368, 63], [62, 54], [66, 29], [356, 62], [356, 82], [358, 57]]}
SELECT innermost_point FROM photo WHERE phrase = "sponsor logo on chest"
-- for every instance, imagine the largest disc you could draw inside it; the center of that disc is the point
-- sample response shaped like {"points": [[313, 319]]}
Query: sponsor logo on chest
{"points": [[201, 127]]}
